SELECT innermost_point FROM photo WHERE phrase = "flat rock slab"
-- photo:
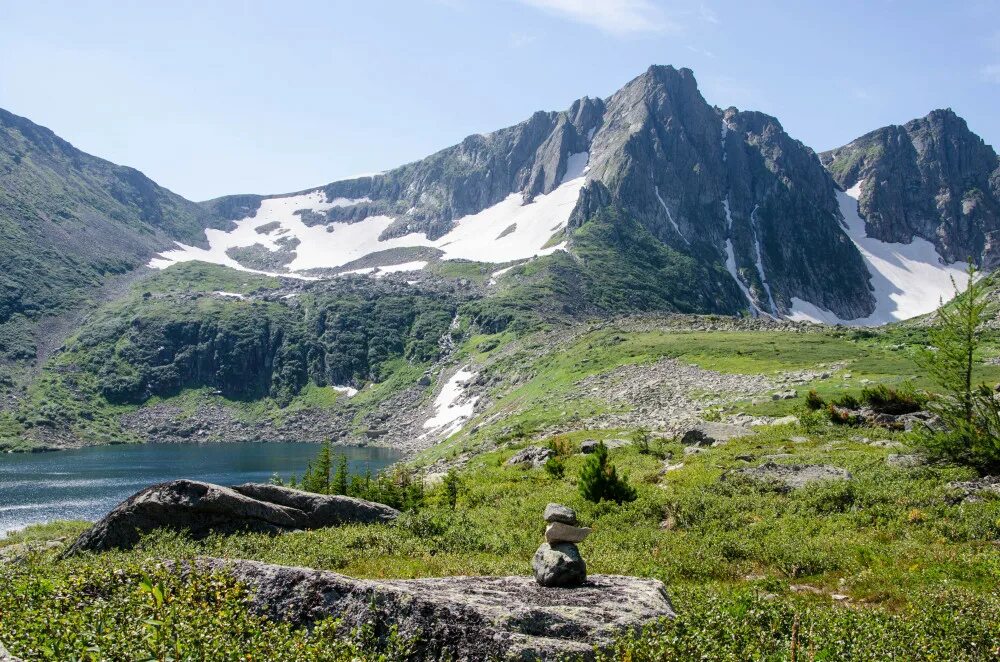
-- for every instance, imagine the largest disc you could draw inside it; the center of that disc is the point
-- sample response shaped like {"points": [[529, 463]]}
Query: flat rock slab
{"points": [[791, 476], [203, 508], [974, 491], [460, 618]]}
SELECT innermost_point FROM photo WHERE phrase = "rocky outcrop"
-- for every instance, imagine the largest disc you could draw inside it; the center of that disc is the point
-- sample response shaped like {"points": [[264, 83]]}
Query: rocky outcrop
{"points": [[6, 656], [534, 456], [931, 178], [788, 477], [459, 618], [201, 509], [974, 491], [708, 433]]}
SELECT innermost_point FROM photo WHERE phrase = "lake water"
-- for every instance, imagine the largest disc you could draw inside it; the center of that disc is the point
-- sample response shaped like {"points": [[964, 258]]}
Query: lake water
{"points": [[87, 483]]}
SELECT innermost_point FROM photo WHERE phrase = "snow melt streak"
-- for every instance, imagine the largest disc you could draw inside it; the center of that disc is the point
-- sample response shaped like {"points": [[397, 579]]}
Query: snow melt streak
{"points": [[909, 279]]}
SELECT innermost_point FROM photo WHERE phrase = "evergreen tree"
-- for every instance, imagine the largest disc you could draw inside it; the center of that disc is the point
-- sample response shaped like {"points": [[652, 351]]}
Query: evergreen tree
{"points": [[451, 486], [341, 478], [968, 412], [599, 480], [317, 476]]}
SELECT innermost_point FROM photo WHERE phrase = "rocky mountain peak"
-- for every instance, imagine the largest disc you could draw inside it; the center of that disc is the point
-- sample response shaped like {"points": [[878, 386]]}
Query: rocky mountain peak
{"points": [[931, 178]]}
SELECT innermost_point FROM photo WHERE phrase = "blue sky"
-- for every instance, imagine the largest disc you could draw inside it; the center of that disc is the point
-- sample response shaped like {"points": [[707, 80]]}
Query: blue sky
{"points": [[212, 98]]}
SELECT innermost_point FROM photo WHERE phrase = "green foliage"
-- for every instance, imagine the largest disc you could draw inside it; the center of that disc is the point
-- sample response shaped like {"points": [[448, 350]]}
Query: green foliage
{"points": [[556, 467], [317, 475], [599, 480], [968, 412], [814, 401], [135, 610], [341, 477], [640, 439], [450, 487], [889, 400]]}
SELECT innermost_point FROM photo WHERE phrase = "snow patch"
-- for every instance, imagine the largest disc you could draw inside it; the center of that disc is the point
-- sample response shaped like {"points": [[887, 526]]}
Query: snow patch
{"points": [[731, 260], [472, 238], [452, 408], [908, 279], [759, 259], [233, 295], [349, 391]]}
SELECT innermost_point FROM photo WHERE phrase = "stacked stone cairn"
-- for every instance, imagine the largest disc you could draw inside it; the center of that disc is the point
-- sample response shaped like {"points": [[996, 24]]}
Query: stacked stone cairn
{"points": [[557, 562]]}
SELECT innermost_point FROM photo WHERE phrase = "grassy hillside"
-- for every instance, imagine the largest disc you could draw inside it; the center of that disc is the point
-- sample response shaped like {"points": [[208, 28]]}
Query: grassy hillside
{"points": [[885, 566]]}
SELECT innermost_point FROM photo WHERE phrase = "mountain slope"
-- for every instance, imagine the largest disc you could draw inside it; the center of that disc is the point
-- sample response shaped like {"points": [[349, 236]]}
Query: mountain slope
{"points": [[69, 219], [729, 191], [931, 178]]}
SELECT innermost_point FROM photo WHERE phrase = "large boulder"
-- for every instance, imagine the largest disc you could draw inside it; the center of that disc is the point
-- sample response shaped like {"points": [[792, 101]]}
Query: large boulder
{"points": [[203, 508], [459, 618]]}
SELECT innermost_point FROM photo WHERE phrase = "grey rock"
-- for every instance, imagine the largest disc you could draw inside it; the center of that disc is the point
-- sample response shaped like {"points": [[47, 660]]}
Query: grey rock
{"points": [[558, 532], [5, 656], [931, 178], [559, 565], [973, 491], [536, 456], [708, 433], [556, 512], [203, 508], [784, 395], [791, 476], [899, 461], [588, 446], [459, 618]]}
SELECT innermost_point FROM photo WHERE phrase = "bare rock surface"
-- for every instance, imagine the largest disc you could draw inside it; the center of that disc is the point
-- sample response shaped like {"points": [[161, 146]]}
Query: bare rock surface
{"points": [[204, 508], [6, 656], [460, 618], [536, 456], [973, 491], [791, 476]]}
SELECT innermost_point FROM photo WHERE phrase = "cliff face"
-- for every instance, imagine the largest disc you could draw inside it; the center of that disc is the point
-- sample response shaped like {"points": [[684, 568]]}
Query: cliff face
{"points": [[729, 188], [931, 178]]}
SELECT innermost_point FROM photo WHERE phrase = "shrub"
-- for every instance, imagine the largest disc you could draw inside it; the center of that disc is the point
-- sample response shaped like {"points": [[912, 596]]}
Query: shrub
{"points": [[641, 439], [450, 487], [814, 401], [599, 480], [847, 401], [888, 400], [841, 416], [560, 446], [555, 467]]}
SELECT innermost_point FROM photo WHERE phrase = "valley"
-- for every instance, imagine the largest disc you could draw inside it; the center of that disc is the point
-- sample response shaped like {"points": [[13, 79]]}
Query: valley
{"points": [[736, 360]]}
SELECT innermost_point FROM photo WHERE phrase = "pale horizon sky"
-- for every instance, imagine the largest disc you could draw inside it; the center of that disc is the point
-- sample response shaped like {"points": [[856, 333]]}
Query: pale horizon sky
{"points": [[210, 99]]}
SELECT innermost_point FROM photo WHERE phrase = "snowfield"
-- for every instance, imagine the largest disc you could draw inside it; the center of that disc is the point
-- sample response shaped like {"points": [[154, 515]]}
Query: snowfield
{"points": [[451, 407], [909, 279], [474, 237]]}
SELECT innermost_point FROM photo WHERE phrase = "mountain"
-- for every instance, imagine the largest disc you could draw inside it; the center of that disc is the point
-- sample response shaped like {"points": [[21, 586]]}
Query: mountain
{"points": [[931, 178], [68, 220], [726, 201]]}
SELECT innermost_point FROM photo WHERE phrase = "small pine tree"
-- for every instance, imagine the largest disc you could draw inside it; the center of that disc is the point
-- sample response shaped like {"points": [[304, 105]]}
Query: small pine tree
{"points": [[599, 480], [640, 439], [317, 476], [450, 488], [967, 411], [341, 478], [555, 467]]}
